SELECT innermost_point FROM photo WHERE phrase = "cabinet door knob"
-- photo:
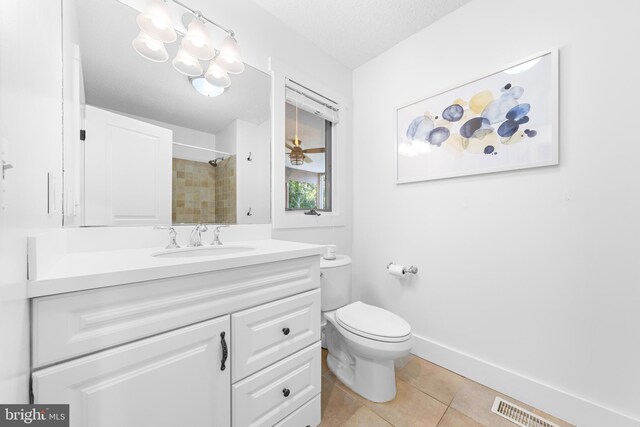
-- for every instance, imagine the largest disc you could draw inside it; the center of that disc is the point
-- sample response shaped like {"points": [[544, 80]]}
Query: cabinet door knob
{"points": [[225, 351], [286, 392], [285, 331]]}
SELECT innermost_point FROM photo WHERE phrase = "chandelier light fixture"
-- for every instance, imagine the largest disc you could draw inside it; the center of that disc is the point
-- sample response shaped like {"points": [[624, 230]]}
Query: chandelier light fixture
{"points": [[187, 64], [156, 29], [216, 75], [155, 21], [150, 48]]}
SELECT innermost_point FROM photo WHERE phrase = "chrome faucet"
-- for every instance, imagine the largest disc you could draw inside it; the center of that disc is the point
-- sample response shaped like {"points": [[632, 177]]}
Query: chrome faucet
{"points": [[196, 235], [216, 235]]}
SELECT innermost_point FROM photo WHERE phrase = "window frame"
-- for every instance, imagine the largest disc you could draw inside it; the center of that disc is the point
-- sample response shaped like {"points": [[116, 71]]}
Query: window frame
{"points": [[281, 217]]}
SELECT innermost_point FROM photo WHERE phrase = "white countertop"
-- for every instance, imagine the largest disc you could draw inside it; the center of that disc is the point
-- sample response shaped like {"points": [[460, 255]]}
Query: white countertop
{"points": [[90, 270]]}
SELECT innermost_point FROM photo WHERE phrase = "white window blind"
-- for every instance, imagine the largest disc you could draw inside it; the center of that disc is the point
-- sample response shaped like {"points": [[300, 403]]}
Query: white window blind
{"points": [[312, 102]]}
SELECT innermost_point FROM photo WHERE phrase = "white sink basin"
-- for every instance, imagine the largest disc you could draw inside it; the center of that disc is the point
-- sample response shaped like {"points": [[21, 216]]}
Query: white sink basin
{"points": [[202, 251]]}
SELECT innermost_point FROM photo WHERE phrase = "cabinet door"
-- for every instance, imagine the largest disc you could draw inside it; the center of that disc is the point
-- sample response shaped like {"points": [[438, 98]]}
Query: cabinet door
{"points": [[127, 167], [172, 379]]}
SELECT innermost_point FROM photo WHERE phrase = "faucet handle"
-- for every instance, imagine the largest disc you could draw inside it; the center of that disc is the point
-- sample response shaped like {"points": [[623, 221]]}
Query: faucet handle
{"points": [[172, 236], [216, 234]]}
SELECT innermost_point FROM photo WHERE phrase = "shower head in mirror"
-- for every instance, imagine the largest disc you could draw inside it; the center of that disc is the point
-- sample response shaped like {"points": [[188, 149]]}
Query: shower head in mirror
{"points": [[216, 161]]}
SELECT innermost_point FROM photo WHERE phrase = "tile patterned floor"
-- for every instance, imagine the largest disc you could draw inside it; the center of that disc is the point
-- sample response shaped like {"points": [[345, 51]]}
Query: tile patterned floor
{"points": [[427, 396]]}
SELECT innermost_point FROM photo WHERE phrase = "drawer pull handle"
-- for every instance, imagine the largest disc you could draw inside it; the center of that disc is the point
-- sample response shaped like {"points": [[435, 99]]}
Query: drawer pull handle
{"points": [[285, 331], [225, 352], [286, 392]]}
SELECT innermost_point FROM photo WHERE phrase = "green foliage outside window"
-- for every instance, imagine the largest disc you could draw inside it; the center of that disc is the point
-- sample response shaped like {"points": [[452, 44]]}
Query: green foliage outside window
{"points": [[302, 195]]}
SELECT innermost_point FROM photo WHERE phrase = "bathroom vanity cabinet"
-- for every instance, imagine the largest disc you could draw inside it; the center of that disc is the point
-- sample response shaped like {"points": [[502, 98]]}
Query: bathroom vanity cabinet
{"points": [[233, 347]]}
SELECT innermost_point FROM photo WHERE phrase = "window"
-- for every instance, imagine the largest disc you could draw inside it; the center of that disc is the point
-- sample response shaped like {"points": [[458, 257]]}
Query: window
{"points": [[290, 89], [308, 150]]}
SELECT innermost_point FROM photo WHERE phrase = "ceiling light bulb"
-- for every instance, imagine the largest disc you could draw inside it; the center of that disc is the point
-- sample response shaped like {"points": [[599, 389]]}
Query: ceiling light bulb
{"points": [[217, 76], [230, 58], [187, 64], [205, 88], [150, 48], [159, 23], [156, 21], [196, 42]]}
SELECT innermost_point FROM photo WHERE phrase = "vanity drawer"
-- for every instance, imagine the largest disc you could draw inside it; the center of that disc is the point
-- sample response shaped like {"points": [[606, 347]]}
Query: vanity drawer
{"points": [[270, 395], [307, 416], [270, 332], [77, 323]]}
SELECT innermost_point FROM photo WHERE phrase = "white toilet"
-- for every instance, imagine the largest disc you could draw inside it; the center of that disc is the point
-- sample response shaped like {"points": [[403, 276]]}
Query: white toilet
{"points": [[363, 340]]}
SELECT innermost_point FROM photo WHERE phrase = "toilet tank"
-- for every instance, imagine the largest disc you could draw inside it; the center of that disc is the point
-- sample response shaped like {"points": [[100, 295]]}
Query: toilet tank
{"points": [[335, 282]]}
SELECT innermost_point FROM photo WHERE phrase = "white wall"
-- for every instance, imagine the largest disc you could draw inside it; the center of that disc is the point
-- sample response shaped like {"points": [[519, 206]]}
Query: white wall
{"points": [[31, 135], [184, 135], [535, 271], [226, 138], [180, 133], [252, 177]]}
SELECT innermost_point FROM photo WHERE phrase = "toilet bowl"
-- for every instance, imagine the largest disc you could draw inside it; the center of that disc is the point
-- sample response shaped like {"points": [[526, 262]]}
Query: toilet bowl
{"points": [[362, 340]]}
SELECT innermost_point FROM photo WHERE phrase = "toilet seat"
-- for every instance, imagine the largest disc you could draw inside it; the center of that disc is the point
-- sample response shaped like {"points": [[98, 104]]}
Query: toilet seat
{"points": [[373, 322]]}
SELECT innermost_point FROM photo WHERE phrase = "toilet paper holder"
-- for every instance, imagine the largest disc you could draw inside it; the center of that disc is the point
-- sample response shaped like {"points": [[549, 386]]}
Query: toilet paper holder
{"points": [[406, 270]]}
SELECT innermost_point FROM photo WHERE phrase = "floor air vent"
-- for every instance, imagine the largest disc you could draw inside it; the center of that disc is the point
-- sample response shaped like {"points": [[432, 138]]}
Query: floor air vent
{"points": [[519, 416]]}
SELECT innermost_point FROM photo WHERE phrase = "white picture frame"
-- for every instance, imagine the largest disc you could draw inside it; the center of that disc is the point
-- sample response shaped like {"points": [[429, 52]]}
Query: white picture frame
{"points": [[501, 121]]}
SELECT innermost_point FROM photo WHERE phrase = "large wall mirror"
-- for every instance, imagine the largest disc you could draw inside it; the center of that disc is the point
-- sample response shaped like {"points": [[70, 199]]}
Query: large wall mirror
{"points": [[141, 145]]}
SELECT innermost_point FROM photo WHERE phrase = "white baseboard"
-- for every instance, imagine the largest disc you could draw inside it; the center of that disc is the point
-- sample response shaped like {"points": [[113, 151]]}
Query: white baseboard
{"points": [[558, 403]]}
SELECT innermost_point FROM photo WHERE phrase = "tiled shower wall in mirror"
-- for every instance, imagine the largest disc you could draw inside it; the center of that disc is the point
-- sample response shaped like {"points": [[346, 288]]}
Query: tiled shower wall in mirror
{"points": [[202, 193]]}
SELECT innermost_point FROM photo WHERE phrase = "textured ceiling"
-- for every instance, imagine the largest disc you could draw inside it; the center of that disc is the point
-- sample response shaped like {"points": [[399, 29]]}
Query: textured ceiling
{"points": [[355, 31]]}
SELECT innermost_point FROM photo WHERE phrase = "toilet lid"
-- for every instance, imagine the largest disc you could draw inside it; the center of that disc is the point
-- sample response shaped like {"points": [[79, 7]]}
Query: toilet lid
{"points": [[373, 322]]}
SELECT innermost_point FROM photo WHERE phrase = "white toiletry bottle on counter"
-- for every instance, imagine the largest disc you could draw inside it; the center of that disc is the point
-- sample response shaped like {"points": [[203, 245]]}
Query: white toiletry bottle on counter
{"points": [[330, 252]]}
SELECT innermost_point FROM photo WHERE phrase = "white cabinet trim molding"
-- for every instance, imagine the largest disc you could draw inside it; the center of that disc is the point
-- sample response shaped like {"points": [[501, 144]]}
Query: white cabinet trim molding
{"points": [[73, 324]]}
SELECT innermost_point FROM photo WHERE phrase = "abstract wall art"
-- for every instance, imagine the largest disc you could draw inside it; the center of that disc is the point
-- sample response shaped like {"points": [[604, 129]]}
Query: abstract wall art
{"points": [[502, 121]]}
